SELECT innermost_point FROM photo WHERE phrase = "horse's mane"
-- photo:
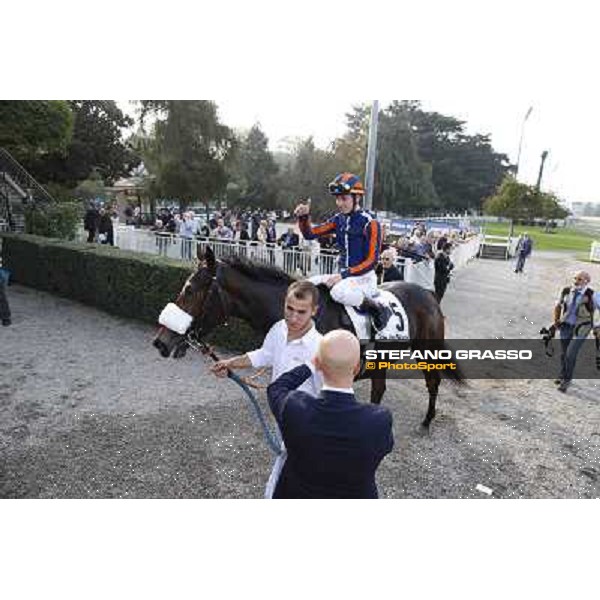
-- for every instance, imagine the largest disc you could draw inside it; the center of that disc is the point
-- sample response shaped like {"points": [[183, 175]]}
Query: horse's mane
{"points": [[257, 271]]}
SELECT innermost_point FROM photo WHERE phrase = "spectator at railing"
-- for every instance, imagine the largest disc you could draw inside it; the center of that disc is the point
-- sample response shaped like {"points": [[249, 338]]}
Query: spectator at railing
{"points": [[204, 231], [254, 226], [261, 233], [271, 240], [271, 232], [187, 231], [105, 228], [425, 247], [221, 232], [162, 237], [289, 242], [241, 236], [240, 233], [213, 222], [167, 219]]}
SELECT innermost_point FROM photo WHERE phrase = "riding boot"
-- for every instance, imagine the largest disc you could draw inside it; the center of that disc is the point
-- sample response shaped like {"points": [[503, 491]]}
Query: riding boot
{"points": [[380, 315]]}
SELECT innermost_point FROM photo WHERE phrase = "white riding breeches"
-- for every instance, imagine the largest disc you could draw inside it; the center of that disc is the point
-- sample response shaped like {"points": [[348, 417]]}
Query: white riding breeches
{"points": [[352, 290]]}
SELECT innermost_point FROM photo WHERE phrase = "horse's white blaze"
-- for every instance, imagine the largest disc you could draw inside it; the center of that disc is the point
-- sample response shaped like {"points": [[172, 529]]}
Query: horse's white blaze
{"points": [[175, 319]]}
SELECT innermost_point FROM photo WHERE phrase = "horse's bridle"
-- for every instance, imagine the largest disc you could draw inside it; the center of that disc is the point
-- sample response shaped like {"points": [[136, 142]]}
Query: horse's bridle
{"points": [[194, 332]]}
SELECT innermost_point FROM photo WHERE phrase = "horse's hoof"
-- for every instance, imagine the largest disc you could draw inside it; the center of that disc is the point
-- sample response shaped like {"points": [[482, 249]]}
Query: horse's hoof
{"points": [[423, 430]]}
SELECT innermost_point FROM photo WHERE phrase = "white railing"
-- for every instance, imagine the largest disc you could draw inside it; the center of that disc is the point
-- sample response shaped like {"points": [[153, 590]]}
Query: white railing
{"points": [[302, 261], [595, 252], [505, 241], [464, 252], [306, 261]]}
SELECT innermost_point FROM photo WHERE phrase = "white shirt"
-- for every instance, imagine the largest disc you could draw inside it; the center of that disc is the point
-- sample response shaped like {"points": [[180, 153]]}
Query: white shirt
{"points": [[283, 356], [328, 388]]}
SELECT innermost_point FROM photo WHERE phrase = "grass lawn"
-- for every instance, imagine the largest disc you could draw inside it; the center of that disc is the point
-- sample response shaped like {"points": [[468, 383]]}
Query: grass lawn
{"points": [[566, 239]]}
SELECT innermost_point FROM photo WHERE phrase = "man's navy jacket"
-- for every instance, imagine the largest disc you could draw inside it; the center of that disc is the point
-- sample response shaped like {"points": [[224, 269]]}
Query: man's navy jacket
{"points": [[334, 443]]}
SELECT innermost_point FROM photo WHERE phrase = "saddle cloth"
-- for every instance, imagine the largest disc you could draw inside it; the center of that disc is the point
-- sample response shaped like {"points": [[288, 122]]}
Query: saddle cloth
{"points": [[397, 328]]}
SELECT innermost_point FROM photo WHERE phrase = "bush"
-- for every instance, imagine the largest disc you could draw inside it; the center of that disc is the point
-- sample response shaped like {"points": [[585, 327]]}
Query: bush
{"points": [[122, 283], [58, 220]]}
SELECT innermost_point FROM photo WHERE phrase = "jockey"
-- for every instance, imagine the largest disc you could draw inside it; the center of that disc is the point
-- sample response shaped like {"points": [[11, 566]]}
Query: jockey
{"points": [[358, 236]]}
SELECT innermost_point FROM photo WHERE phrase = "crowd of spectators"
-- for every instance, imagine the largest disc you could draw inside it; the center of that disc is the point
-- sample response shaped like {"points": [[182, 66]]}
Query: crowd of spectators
{"points": [[257, 228]]}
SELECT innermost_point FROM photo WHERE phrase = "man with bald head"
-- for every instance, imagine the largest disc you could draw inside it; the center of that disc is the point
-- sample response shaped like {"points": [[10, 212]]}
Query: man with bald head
{"points": [[334, 443], [574, 318]]}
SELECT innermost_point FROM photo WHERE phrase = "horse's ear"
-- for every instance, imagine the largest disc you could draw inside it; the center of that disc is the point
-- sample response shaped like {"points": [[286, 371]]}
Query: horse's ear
{"points": [[199, 253], [211, 262]]}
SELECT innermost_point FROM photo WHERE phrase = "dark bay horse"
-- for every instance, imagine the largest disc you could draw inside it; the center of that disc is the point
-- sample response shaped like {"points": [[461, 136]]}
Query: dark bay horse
{"points": [[255, 293]]}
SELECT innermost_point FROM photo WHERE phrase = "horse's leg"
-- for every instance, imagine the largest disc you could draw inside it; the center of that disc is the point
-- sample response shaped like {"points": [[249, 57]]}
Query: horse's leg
{"points": [[377, 389], [432, 380]]}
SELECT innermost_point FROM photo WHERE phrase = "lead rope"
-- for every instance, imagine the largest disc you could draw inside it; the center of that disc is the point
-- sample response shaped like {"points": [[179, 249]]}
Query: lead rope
{"points": [[272, 439]]}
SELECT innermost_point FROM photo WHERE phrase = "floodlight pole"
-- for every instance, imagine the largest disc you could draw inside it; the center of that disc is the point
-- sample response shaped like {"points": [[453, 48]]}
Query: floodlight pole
{"points": [[521, 141], [539, 180], [371, 156]]}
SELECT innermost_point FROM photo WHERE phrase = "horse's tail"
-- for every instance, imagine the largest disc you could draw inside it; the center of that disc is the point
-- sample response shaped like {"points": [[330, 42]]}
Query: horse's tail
{"points": [[456, 375]]}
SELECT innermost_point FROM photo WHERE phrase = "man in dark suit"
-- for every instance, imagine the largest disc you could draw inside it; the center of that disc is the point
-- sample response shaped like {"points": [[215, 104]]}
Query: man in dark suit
{"points": [[91, 221], [334, 443]]}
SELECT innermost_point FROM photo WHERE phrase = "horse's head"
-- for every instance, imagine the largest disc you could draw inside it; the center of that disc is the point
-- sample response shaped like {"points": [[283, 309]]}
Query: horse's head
{"points": [[200, 307]]}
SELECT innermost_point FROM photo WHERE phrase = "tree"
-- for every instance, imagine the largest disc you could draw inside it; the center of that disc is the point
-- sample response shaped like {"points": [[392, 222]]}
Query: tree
{"points": [[552, 208], [464, 168], [252, 173], [350, 150], [306, 176], [97, 145], [402, 181], [30, 129], [189, 150], [519, 201]]}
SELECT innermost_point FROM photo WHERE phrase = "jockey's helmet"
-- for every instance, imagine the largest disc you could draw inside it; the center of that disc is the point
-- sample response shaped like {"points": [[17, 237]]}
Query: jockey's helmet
{"points": [[346, 183]]}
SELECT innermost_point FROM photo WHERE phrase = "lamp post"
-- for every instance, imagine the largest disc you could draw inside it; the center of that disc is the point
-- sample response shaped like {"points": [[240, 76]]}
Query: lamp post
{"points": [[371, 155], [521, 140]]}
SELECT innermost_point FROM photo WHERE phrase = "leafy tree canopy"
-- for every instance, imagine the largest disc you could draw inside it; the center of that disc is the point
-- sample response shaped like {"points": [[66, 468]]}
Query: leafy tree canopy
{"points": [[465, 169], [187, 151], [252, 172], [31, 129], [97, 146], [519, 201]]}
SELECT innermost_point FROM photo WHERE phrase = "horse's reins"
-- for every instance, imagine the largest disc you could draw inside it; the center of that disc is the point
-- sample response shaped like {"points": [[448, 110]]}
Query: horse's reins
{"points": [[194, 341]]}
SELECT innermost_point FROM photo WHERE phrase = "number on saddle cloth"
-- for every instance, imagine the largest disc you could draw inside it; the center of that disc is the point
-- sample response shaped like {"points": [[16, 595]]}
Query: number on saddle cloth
{"points": [[397, 327]]}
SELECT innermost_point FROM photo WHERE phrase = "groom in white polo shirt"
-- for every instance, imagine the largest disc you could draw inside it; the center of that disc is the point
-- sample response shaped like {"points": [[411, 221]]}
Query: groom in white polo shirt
{"points": [[290, 342]]}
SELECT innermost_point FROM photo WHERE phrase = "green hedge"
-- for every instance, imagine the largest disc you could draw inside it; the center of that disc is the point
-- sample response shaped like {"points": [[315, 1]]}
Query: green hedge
{"points": [[120, 282]]}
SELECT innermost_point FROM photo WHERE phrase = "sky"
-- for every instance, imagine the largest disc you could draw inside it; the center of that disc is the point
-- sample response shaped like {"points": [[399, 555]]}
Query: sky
{"points": [[570, 169], [553, 125], [296, 70]]}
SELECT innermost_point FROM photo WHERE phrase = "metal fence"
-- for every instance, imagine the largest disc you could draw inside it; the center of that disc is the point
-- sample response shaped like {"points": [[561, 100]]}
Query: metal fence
{"points": [[305, 261]]}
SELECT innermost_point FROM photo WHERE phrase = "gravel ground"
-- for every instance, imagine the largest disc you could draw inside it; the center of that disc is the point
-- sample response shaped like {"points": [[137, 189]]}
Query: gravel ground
{"points": [[89, 410]]}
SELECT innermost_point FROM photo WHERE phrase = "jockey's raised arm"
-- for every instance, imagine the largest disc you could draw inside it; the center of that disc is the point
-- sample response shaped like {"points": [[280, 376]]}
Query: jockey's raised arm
{"points": [[358, 236]]}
